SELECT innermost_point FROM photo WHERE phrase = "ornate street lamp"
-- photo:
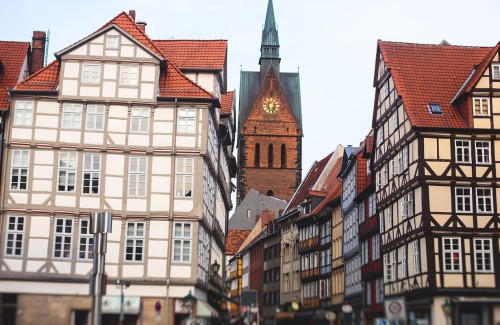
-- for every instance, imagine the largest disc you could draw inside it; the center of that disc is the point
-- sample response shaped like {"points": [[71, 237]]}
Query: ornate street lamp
{"points": [[190, 301], [214, 269], [447, 309]]}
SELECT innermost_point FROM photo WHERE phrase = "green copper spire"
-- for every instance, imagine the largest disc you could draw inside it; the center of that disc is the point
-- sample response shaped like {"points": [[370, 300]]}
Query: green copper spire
{"points": [[269, 49]]}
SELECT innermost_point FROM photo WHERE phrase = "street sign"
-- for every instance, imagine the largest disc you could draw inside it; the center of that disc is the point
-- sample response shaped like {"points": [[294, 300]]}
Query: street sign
{"points": [[381, 321], [395, 309]]}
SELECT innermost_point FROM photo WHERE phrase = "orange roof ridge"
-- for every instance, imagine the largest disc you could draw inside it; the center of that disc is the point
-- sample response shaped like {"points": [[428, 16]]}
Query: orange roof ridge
{"points": [[429, 44]]}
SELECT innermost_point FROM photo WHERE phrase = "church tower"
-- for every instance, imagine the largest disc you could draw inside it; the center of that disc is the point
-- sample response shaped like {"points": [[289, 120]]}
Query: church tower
{"points": [[270, 123]]}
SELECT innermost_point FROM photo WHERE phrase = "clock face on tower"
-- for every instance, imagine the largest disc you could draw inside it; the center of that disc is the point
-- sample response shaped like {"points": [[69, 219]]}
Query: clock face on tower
{"points": [[271, 105]]}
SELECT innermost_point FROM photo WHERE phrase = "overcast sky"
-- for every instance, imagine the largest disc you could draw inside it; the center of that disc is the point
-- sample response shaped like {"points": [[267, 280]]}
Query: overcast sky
{"points": [[332, 42]]}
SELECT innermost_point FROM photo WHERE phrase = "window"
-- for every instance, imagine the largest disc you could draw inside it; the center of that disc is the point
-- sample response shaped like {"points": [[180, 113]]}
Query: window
{"points": [[416, 257], [483, 261], [91, 173], [257, 155], [463, 199], [382, 222], [389, 218], [135, 241], [403, 159], [407, 206], [381, 135], [387, 269], [481, 106], [95, 117], [270, 156], [72, 116], [184, 177], [139, 119], [63, 236], [376, 247], [364, 253], [91, 73], [86, 247], [395, 119], [182, 242], [452, 254], [496, 71], [19, 169], [137, 176], [129, 75], [361, 212], [404, 262], [15, 236], [283, 156], [67, 172], [484, 200], [187, 118], [368, 293], [462, 151], [112, 42], [385, 88], [394, 263], [435, 108], [372, 205], [394, 167], [483, 152], [24, 113]]}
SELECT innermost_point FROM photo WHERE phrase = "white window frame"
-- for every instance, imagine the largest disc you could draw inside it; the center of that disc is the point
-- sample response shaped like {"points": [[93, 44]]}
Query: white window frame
{"points": [[91, 73], [182, 238], [86, 241], [184, 177], [139, 119], [463, 199], [138, 176], [91, 173], [66, 173], [19, 170], [375, 247], [381, 135], [135, 241], [387, 268], [394, 264], [368, 293], [394, 166], [14, 236], [395, 120], [129, 75], [484, 197], [407, 206], [63, 238], [483, 253], [390, 220], [186, 121], [483, 152], [94, 120], [480, 101], [448, 253], [24, 113], [403, 160], [72, 116], [416, 257], [404, 262], [462, 151], [112, 42]]}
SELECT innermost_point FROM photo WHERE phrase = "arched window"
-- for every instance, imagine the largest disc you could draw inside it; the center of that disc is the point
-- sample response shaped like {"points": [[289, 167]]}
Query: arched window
{"points": [[270, 193], [257, 155], [270, 156], [283, 156]]}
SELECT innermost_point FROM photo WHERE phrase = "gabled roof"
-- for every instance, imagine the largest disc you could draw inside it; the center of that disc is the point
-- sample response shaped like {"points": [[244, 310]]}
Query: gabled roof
{"points": [[175, 84], [227, 101], [425, 74], [235, 238], [12, 57], [194, 54], [45, 79]]}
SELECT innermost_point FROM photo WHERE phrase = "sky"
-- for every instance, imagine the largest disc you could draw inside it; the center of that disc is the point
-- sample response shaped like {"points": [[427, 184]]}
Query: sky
{"points": [[332, 43]]}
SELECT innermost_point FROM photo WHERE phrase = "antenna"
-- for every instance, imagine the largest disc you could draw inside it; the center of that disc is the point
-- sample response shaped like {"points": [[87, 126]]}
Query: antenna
{"points": [[46, 48]]}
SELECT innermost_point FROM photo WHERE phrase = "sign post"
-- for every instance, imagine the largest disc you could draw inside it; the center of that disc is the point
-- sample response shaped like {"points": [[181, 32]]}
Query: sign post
{"points": [[395, 309]]}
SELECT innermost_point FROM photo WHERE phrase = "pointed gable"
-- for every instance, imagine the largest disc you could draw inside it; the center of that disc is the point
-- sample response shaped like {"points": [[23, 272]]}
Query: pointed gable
{"points": [[425, 74], [12, 59]]}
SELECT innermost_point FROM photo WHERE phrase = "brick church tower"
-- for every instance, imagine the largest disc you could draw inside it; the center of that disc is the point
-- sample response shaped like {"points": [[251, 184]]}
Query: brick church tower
{"points": [[270, 123]]}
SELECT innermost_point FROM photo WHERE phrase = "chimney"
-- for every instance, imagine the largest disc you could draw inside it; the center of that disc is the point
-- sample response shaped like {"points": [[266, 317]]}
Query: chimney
{"points": [[37, 51], [142, 25], [132, 14], [267, 216]]}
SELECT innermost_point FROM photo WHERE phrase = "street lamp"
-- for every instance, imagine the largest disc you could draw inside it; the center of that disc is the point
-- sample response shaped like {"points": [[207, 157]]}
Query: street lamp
{"points": [[447, 309], [214, 269], [122, 284], [190, 301]]}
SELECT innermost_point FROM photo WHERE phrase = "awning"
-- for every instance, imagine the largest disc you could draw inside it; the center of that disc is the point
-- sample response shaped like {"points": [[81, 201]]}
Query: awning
{"points": [[284, 315], [477, 300], [203, 309]]}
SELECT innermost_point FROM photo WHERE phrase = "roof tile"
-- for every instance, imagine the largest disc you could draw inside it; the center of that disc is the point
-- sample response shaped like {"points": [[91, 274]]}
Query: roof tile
{"points": [[194, 54], [45, 79], [234, 240], [12, 57], [227, 103]]}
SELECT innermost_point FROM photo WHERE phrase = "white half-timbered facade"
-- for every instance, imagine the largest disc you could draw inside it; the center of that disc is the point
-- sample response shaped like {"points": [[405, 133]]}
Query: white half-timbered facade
{"points": [[435, 122], [113, 125]]}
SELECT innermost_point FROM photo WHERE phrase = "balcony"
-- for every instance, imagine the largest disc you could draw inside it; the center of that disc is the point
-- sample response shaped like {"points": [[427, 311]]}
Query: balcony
{"points": [[308, 243], [310, 273], [372, 270]]}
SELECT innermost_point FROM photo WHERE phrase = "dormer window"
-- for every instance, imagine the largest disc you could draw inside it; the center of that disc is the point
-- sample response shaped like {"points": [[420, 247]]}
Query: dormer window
{"points": [[435, 108], [495, 69]]}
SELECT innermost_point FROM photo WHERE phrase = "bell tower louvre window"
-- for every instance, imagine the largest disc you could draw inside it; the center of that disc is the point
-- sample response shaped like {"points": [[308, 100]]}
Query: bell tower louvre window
{"points": [[270, 156], [257, 155]]}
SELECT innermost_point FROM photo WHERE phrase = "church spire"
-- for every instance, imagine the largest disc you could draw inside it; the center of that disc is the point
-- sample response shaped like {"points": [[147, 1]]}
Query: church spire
{"points": [[269, 49]]}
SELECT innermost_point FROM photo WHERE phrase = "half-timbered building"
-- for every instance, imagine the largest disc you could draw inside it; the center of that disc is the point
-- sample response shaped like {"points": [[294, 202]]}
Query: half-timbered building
{"points": [[113, 124], [436, 120]]}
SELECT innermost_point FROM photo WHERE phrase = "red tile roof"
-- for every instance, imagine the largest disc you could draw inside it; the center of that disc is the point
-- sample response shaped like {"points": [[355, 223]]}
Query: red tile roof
{"points": [[332, 186], [195, 54], [227, 103], [234, 240], [175, 84], [12, 57], [45, 79], [426, 74]]}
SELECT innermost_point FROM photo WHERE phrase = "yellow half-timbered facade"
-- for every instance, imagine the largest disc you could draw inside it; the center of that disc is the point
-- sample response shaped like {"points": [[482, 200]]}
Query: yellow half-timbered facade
{"points": [[435, 158]]}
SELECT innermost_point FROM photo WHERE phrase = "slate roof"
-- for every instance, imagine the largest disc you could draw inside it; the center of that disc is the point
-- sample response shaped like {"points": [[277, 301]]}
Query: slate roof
{"points": [[270, 33], [234, 240], [227, 103], [249, 89], [426, 74], [12, 56], [194, 54]]}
